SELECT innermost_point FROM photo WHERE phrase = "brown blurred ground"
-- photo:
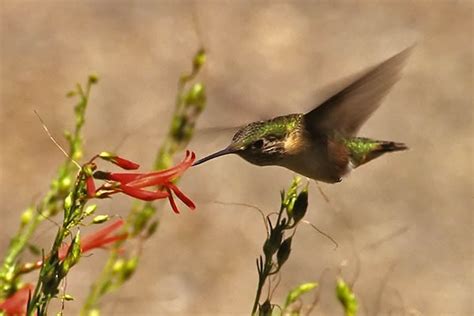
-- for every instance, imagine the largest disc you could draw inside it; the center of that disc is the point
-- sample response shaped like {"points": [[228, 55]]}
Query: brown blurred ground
{"points": [[264, 59]]}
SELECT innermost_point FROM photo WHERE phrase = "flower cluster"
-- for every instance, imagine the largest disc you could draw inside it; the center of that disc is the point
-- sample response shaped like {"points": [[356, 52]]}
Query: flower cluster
{"points": [[16, 304], [148, 186], [99, 239]]}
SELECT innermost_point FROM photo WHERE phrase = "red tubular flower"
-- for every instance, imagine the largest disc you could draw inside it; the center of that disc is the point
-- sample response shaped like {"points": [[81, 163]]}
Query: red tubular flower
{"points": [[90, 186], [98, 239], [136, 184], [143, 194], [16, 304]]}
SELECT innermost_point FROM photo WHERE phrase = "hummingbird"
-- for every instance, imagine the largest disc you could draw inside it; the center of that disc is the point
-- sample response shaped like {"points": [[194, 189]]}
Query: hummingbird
{"points": [[322, 144]]}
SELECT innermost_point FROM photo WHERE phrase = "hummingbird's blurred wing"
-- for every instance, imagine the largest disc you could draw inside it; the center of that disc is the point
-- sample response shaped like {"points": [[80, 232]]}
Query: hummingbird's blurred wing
{"points": [[348, 109]]}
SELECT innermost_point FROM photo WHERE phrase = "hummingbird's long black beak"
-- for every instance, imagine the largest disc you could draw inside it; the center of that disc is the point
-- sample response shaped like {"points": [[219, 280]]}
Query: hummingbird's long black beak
{"points": [[222, 152]]}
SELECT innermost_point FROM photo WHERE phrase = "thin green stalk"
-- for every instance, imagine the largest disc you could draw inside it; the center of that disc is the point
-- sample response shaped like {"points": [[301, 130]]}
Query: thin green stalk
{"points": [[53, 268], [277, 245], [52, 202]]}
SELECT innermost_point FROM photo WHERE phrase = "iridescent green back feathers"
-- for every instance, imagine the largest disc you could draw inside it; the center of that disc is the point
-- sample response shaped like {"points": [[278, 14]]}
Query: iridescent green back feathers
{"points": [[277, 128]]}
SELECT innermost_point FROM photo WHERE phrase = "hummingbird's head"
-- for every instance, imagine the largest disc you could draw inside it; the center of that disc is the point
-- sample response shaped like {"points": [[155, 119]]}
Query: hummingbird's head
{"points": [[261, 143]]}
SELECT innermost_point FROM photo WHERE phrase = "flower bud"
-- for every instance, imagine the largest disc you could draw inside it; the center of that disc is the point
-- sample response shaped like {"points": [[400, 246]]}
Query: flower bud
{"points": [[118, 265], [300, 206], [68, 297], [90, 210], [99, 219], [284, 251], [119, 161], [273, 242], [196, 96], [68, 203], [26, 216], [265, 309], [199, 59], [65, 183], [346, 297], [129, 268], [296, 293], [93, 79], [90, 187]]}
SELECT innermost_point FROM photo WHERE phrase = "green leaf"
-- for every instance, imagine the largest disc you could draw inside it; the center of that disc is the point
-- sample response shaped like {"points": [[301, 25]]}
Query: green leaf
{"points": [[301, 289]]}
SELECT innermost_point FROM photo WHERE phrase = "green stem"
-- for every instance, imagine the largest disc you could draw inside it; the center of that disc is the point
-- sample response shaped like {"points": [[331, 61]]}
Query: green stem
{"points": [[50, 204]]}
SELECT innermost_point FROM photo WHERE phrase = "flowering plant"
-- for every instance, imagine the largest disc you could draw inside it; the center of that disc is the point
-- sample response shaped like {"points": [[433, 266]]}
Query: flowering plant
{"points": [[72, 193]]}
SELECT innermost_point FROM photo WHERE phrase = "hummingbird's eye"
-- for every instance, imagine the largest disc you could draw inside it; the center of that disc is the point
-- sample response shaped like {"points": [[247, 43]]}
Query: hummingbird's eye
{"points": [[257, 144]]}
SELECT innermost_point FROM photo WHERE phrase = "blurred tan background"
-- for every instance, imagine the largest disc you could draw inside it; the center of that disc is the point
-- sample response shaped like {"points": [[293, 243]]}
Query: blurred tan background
{"points": [[405, 218]]}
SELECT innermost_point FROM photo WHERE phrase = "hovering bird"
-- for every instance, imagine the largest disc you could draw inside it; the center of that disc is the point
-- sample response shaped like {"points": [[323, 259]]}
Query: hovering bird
{"points": [[322, 144]]}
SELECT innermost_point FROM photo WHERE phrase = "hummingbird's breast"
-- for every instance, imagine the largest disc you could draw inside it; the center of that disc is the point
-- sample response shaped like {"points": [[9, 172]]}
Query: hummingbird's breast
{"points": [[320, 159]]}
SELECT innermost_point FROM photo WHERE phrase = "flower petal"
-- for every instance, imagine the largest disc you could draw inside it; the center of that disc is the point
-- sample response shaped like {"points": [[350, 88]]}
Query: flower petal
{"points": [[144, 195], [161, 177], [124, 163], [119, 161], [172, 202], [182, 196], [94, 240]]}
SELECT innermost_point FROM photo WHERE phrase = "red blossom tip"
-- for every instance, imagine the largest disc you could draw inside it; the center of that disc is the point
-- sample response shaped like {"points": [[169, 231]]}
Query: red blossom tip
{"points": [[182, 196], [90, 186], [172, 202], [119, 161]]}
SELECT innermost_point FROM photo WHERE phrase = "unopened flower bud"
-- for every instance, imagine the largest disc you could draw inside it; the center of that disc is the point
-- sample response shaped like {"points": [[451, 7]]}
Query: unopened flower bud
{"points": [[199, 59], [90, 210], [273, 242], [93, 79], [99, 219], [300, 206], [196, 94], [68, 202], [265, 308], [90, 187], [346, 297], [118, 265], [26, 216], [119, 161], [284, 251], [129, 268], [68, 297]]}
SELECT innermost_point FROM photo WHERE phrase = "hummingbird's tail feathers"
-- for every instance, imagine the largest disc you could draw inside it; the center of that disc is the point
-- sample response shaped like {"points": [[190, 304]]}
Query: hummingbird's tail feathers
{"points": [[392, 146], [371, 149], [348, 109]]}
